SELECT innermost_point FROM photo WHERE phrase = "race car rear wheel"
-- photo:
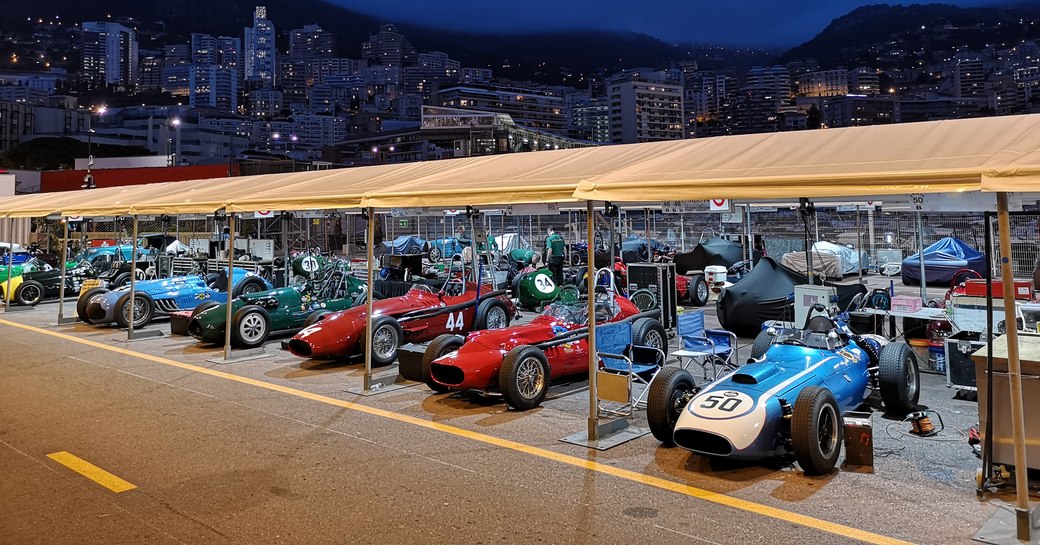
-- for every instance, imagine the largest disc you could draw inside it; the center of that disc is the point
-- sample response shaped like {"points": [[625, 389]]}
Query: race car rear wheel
{"points": [[84, 301], [650, 333], [762, 343], [524, 377], [698, 293], [670, 391], [491, 314], [249, 285], [898, 379], [386, 338], [439, 346], [121, 280], [816, 430], [144, 309], [29, 293], [435, 254], [250, 327]]}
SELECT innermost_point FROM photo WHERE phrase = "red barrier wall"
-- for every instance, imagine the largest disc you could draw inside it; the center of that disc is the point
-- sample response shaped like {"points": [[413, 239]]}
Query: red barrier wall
{"points": [[68, 180]]}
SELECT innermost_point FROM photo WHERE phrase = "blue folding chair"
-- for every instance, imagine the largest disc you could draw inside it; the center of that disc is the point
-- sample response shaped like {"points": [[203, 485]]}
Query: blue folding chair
{"points": [[714, 348], [621, 365]]}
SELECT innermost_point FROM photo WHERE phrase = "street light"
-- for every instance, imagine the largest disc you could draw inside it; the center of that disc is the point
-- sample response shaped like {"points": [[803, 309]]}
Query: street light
{"points": [[176, 122], [88, 180]]}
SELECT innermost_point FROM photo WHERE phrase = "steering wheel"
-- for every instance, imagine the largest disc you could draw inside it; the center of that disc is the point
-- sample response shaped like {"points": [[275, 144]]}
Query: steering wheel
{"points": [[422, 287], [792, 342], [569, 294]]}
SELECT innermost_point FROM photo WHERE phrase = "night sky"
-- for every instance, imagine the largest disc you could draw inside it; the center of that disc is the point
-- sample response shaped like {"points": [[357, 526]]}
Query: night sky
{"points": [[766, 23]]}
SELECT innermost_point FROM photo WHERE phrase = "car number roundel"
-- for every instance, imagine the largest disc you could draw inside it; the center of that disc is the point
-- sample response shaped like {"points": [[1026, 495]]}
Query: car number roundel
{"points": [[721, 404], [543, 283], [309, 264]]}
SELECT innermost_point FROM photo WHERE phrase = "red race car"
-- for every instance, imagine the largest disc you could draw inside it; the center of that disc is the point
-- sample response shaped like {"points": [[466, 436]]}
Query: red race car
{"points": [[521, 360], [418, 316]]}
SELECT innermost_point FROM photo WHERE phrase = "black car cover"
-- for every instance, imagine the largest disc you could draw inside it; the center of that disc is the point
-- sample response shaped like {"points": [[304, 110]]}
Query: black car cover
{"points": [[715, 251], [636, 249], [767, 293]]}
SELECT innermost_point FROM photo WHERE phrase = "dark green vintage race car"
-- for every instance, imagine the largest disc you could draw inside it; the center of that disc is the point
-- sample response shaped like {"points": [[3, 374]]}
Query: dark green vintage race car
{"points": [[255, 316]]}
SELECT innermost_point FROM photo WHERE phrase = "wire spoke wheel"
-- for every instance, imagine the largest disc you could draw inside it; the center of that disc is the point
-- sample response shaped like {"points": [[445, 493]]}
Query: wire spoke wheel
{"points": [[653, 340], [384, 341], [702, 291], [139, 309], [530, 378], [496, 318]]}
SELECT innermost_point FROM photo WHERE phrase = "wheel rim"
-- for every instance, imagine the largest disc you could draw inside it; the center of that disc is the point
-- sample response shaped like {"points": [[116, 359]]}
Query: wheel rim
{"points": [[139, 309], [911, 379], [496, 318], [252, 327], [826, 430], [250, 288], [435, 254], [30, 292], [384, 341], [653, 340], [702, 291], [530, 378]]}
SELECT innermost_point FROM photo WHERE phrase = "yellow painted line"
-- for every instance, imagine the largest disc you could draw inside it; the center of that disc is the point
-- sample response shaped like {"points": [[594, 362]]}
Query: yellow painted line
{"points": [[92, 472], [591, 465]]}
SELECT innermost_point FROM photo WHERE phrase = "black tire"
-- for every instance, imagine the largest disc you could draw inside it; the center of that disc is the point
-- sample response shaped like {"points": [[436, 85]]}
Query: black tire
{"points": [[84, 300], [669, 392], [315, 317], [202, 307], [898, 379], [29, 293], [250, 327], [650, 333], [439, 346], [524, 377], [247, 286], [121, 279], [388, 337], [491, 314], [122, 310], [762, 343], [575, 258], [698, 290], [817, 430]]}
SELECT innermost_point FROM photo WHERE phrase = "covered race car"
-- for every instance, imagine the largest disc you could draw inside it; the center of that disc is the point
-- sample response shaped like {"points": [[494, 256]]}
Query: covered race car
{"points": [[417, 316], [789, 399], [155, 298], [255, 316], [405, 244], [521, 360], [942, 261], [714, 251]]}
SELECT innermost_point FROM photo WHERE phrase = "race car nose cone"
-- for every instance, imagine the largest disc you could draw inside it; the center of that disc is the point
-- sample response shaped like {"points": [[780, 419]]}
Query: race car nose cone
{"points": [[300, 348]]}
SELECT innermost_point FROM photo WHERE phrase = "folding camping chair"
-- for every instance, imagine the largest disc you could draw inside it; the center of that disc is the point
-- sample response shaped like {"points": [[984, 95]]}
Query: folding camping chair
{"points": [[715, 348], [621, 364]]}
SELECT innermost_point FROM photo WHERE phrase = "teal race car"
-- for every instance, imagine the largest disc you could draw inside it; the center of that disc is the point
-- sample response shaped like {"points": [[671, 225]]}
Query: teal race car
{"points": [[254, 317]]}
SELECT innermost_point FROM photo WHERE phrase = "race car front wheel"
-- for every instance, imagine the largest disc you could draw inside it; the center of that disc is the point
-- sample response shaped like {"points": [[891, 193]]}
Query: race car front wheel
{"points": [[816, 430], [670, 391], [524, 377], [84, 301], [491, 314], [29, 293], [441, 345], [386, 338]]}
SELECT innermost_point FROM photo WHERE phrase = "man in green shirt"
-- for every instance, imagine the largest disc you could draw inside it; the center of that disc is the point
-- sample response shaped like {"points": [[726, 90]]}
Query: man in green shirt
{"points": [[555, 250]]}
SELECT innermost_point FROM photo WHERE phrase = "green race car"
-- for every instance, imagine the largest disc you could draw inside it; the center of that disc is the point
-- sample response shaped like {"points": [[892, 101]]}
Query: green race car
{"points": [[255, 316]]}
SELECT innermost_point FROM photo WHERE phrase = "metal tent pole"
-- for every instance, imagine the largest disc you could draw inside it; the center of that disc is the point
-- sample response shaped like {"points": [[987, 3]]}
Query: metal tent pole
{"points": [[859, 245], [590, 285], [473, 243], [61, 263], [368, 297], [230, 285], [133, 285], [682, 232], [1018, 426], [10, 260], [920, 258], [750, 237]]}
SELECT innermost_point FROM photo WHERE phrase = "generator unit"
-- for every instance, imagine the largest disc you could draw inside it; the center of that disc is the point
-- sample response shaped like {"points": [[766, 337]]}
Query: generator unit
{"points": [[659, 279]]}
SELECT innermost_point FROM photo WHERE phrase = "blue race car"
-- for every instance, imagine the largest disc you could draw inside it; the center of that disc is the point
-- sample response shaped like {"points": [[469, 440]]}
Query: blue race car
{"points": [[788, 399], [443, 248], [161, 297]]}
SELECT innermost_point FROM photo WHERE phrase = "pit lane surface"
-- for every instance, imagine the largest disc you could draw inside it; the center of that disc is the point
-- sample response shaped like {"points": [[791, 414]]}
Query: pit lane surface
{"points": [[269, 451]]}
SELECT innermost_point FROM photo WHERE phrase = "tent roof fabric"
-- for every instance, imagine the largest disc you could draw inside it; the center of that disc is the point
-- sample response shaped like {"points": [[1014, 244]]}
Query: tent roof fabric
{"points": [[992, 154], [988, 154]]}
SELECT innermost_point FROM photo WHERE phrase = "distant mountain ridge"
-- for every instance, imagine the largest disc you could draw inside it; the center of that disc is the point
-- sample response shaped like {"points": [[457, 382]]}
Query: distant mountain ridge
{"points": [[867, 35]]}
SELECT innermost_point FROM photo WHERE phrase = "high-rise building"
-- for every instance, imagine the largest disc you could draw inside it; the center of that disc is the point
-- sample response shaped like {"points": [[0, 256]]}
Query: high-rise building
{"points": [[260, 62], [644, 107], [864, 81], [388, 47], [591, 121], [214, 86], [969, 78], [774, 80], [224, 51], [527, 107], [108, 55], [149, 71], [824, 83], [311, 42], [475, 75]]}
